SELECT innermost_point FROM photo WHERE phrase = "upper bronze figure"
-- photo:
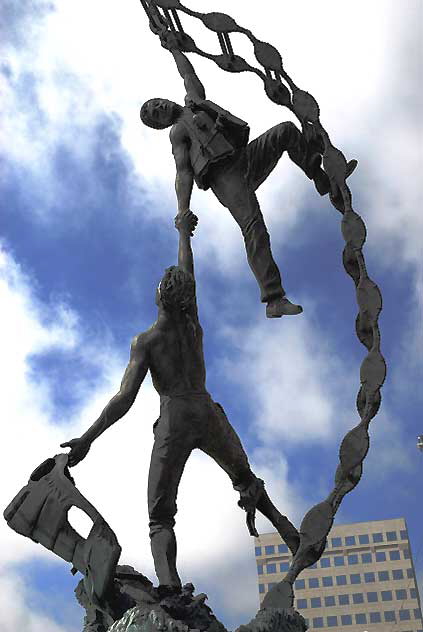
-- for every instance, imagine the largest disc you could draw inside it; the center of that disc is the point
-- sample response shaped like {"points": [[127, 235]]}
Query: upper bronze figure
{"points": [[172, 349], [211, 147]]}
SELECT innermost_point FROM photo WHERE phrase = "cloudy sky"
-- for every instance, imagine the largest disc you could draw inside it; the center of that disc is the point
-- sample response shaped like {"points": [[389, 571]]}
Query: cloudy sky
{"points": [[87, 202]]}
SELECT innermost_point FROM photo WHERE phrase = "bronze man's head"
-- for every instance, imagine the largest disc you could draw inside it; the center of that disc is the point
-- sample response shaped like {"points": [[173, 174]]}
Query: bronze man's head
{"points": [[176, 290], [160, 113]]}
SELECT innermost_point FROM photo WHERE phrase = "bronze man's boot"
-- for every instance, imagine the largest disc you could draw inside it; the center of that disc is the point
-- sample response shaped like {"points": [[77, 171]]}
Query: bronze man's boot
{"points": [[282, 307]]}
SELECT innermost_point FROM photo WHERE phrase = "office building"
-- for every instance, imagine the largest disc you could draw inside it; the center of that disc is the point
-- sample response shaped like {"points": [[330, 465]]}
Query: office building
{"points": [[364, 581]]}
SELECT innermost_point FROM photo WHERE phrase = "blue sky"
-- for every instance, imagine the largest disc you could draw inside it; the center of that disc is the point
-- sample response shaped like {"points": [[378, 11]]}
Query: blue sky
{"points": [[87, 207]]}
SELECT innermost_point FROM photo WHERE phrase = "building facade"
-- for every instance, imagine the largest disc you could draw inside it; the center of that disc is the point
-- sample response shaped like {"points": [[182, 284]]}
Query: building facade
{"points": [[364, 581]]}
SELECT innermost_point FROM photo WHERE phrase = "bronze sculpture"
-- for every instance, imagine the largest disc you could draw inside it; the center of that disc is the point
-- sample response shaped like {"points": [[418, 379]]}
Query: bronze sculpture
{"points": [[165, 20], [172, 349], [210, 147]]}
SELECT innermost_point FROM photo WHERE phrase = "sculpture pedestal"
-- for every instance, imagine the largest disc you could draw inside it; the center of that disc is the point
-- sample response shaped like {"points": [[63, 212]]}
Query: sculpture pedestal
{"points": [[157, 619], [275, 620], [134, 605]]}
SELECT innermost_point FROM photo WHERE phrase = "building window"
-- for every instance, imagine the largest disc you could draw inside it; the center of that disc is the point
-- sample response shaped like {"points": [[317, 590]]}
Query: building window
{"points": [[350, 540], [346, 619], [332, 621], [353, 559], [269, 549], [271, 568], [401, 594], [271, 585], [380, 556], [375, 617], [327, 581], [391, 536], [330, 600], [260, 569], [377, 537], [383, 576], [417, 613], [313, 582], [261, 588], [299, 584], [410, 573], [372, 597], [369, 578], [282, 548], [386, 595], [389, 615], [358, 598], [413, 593], [404, 615], [336, 542], [366, 558], [316, 602], [363, 539], [398, 574], [318, 622], [341, 580], [406, 553], [360, 618], [301, 603], [284, 566], [403, 535], [325, 562], [355, 578], [258, 550], [394, 555], [343, 600], [339, 560]]}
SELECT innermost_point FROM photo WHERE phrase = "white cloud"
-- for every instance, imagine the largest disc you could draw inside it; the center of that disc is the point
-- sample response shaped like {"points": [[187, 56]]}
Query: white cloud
{"points": [[15, 614], [291, 377]]}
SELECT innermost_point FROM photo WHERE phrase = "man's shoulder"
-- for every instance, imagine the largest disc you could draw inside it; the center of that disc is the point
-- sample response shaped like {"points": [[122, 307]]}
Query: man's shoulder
{"points": [[178, 133], [141, 342]]}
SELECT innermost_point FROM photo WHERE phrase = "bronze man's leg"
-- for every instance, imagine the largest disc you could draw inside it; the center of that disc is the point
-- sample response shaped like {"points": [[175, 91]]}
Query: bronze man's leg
{"points": [[231, 188], [265, 151], [222, 443], [172, 446]]}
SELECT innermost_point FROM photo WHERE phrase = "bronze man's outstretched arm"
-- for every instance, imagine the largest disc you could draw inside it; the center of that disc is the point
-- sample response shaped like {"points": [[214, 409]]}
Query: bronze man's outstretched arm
{"points": [[180, 143], [118, 406], [193, 86], [186, 223], [184, 180]]}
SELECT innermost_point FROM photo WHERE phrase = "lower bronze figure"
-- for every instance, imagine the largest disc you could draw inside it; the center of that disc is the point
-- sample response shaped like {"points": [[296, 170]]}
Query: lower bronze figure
{"points": [[172, 349]]}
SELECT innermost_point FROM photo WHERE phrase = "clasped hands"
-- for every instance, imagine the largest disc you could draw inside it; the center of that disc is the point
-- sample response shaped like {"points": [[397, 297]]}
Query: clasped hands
{"points": [[186, 220]]}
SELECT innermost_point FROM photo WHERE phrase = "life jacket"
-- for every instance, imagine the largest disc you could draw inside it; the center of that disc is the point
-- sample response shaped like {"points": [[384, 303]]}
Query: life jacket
{"points": [[40, 512], [215, 134]]}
